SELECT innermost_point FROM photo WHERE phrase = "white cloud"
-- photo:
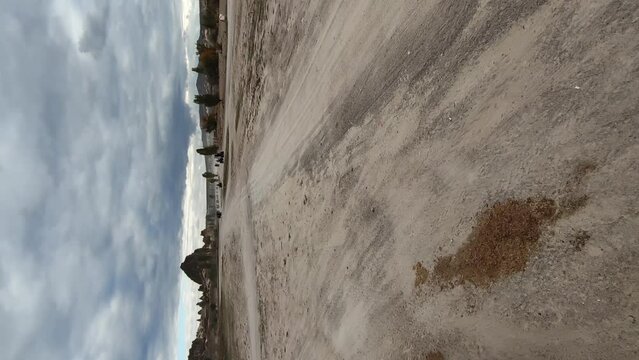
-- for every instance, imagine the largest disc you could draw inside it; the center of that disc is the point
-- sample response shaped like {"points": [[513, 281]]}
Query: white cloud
{"points": [[107, 335], [193, 208], [73, 18], [95, 32], [92, 154]]}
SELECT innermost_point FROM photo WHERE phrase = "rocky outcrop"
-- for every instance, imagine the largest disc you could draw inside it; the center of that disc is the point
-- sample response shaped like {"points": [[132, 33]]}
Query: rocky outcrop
{"points": [[202, 265], [198, 350], [199, 262]]}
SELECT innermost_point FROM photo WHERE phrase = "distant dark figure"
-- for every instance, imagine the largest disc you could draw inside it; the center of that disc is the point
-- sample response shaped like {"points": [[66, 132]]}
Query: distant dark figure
{"points": [[219, 185], [220, 154], [209, 150], [219, 214], [210, 72], [199, 70], [217, 164], [207, 100]]}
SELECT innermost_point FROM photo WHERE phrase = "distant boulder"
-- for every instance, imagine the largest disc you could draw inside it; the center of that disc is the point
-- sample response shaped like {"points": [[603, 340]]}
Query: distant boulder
{"points": [[194, 264], [198, 350]]}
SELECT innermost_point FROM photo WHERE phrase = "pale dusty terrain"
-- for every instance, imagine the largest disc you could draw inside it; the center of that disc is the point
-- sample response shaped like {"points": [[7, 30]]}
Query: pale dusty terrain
{"points": [[365, 137]]}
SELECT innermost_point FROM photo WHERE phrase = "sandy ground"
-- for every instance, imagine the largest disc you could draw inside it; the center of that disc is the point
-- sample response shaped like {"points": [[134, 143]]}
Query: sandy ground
{"points": [[377, 152]]}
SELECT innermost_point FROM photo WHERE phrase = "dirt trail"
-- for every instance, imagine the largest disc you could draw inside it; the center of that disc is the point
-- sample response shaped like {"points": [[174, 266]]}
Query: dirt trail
{"points": [[432, 179], [240, 214]]}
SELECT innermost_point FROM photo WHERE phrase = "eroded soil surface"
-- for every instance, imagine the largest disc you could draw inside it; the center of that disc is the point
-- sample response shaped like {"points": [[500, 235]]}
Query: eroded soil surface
{"points": [[431, 180]]}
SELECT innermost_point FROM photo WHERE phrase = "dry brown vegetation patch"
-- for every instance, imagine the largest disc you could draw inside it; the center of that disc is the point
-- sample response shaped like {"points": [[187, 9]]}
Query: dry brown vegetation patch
{"points": [[499, 245], [574, 198], [434, 355], [421, 274], [571, 203], [580, 239], [582, 169]]}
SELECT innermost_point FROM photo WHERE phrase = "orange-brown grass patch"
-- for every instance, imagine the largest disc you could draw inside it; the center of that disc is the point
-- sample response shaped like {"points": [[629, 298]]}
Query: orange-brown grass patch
{"points": [[434, 355], [499, 245]]}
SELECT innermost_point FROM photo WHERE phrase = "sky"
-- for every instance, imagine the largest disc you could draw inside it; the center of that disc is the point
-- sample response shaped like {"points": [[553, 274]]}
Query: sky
{"points": [[194, 200], [95, 136], [194, 206]]}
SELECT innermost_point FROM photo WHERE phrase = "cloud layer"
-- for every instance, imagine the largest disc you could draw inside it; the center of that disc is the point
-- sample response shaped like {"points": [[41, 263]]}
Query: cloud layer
{"points": [[93, 142], [95, 32]]}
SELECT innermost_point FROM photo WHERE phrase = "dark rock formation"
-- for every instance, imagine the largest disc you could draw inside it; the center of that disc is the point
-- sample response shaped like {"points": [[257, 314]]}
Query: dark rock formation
{"points": [[194, 264], [198, 350]]}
